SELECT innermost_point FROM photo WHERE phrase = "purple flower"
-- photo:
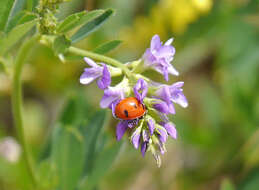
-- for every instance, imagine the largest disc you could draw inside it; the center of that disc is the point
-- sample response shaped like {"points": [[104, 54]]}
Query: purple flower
{"points": [[170, 94], [140, 89], [164, 94], [135, 138], [163, 107], [159, 56], [112, 95], [163, 135], [151, 126], [144, 148], [177, 95], [145, 136], [144, 144], [121, 129], [96, 71], [171, 130]]}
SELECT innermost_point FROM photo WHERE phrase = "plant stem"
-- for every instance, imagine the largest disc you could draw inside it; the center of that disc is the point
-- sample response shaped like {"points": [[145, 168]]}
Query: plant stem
{"points": [[17, 104], [102, 58]]}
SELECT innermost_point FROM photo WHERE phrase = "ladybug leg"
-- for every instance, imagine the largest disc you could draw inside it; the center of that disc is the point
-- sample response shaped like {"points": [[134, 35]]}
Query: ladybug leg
{"points": [[133, 122]]}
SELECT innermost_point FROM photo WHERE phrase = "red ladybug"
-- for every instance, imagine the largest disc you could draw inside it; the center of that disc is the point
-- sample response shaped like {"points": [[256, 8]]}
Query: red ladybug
{"points": [[130, 109]]}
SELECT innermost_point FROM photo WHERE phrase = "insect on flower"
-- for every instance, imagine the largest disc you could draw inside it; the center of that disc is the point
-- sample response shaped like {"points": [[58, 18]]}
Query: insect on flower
{"points": [[141, 104], [130, 109]]}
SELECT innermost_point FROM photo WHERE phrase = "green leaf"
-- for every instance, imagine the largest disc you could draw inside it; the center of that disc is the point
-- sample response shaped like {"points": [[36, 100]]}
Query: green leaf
{"points": [[77, 110], [102, 163], [20, 18], [5, 10], [17, 7], [77, 19], [91, 26], [15, 35], [60, 45], [47, 175], [107, 47], [67, 155], [92, 132], [70, 141]]}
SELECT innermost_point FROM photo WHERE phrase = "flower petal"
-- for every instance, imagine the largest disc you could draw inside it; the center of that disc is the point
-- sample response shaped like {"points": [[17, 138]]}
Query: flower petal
{"points": [[151, 126], [89, 75], [163, 135], [121, 129], [106, 101], [136, 139], [90, 62], [165, 52], [111, 94], [177, 85], [168, 42], [180, 99], [155, 43], [171, 130], [143, 148], [172, 71], [162, 107], [164, 93], [142, 86], [105, 80], [171, 108]]}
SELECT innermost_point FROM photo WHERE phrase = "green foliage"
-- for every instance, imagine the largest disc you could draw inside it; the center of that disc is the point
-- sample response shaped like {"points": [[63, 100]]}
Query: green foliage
{"points": [[15, 35], [91, 26], [74, 147], [77, 19], [5, 11], [102, 163], [61, 43], [107, 47], [67, 155], [218, 133], [20, 18]]}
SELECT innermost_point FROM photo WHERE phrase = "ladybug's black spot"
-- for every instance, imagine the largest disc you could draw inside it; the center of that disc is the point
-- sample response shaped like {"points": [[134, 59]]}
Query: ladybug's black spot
{"points": [[135, 106], [126, 113]]}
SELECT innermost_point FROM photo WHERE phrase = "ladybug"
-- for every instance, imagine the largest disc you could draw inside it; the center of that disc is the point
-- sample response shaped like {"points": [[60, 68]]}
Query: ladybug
{"points": [[130, 109]]}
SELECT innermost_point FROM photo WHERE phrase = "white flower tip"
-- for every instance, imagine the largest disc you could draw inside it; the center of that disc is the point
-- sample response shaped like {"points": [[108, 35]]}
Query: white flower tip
{"points": [[184, 104], [84, 81], [168, 42]]}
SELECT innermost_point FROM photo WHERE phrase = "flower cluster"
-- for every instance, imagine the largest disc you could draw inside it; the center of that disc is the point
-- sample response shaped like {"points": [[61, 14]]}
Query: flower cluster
{"points": [[150, 131]]}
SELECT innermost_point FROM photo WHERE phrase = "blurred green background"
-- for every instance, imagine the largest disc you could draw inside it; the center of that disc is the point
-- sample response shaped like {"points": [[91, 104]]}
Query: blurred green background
{"points": [[217, 54]]}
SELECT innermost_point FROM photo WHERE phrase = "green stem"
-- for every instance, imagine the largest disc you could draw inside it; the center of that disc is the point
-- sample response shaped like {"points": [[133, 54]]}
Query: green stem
{"points": [[17, 103], [102, 58]]}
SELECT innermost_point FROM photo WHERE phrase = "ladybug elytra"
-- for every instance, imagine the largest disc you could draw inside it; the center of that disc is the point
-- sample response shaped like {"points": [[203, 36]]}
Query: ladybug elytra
{"points": [[130, 109]]}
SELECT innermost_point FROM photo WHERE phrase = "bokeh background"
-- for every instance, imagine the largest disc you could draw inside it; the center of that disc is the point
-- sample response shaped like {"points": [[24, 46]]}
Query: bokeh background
{"points": [[217, 54]]}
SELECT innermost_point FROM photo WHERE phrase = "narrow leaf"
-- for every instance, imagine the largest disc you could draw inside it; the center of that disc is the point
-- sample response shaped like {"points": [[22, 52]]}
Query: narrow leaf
{"points": [[67, 155], [20, 18], [107, 47], [91, 26], [15, 35], [92, 132], [102, 164], [5, 10], [77, 19], [17, 7], [71, 141]]}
